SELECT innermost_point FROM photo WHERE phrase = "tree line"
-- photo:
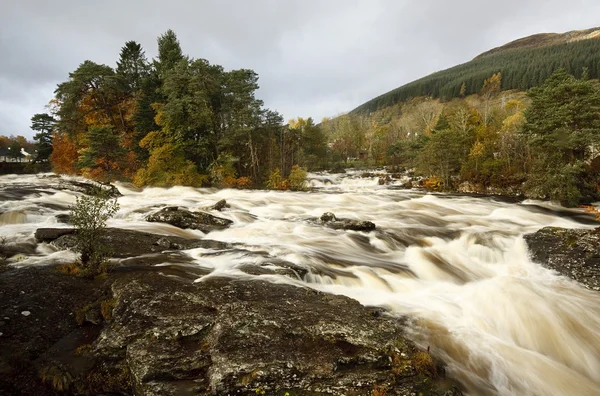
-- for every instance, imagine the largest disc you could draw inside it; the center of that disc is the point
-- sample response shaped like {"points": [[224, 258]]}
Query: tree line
{"points": [[174, 120], [543, 143]]}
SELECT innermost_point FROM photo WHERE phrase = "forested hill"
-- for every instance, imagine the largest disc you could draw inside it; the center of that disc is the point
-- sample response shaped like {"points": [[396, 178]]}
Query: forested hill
{"points": [[523, 63]]}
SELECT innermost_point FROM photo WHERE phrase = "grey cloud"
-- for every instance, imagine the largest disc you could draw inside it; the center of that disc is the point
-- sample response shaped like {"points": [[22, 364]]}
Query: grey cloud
{"points": [[315, 58]]}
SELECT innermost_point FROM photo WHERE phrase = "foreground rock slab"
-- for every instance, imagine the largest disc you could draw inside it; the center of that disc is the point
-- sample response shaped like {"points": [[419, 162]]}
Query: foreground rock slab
{"points": [[184, 218], [225, 336], [571, 252], [148, 334]]}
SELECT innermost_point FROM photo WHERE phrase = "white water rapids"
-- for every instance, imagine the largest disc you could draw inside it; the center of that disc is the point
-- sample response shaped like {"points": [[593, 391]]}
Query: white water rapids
{"points": [[457, 265]]}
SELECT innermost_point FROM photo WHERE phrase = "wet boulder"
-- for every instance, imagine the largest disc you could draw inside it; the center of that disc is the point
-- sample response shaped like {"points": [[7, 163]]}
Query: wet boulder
{"points": [[90, 187], [184, 218], [127, 243], [50, 234], [574, 253], [329, 219], [219, 206]]}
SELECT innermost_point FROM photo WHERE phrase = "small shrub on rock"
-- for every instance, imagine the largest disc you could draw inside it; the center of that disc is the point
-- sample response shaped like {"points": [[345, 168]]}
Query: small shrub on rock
{"points": [[89, 215]]}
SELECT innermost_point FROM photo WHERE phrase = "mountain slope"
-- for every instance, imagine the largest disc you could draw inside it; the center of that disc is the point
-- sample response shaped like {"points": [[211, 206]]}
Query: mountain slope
{"points": [[524, 63]]}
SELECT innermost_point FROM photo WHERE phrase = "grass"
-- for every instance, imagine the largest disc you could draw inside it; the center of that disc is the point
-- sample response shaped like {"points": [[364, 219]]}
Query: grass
{"points": [[106, 308], [424, 364]]}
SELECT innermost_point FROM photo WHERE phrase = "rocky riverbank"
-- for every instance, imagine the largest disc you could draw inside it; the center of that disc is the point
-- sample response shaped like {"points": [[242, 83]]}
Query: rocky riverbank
{"points": [[574, 253], [151, 330]]}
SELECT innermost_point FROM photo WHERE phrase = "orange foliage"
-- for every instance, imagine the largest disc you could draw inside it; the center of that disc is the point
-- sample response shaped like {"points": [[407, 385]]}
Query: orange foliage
{"points": [[591, 209], [244, 182], [433, 183], [64, 154]]}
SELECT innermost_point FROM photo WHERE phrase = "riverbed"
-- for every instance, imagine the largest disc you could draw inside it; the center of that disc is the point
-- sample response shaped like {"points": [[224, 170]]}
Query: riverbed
{"points": [[456, 266]]}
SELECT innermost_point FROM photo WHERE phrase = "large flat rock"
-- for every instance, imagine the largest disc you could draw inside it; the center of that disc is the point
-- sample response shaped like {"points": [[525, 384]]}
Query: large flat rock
{"points": [[571, 252]]}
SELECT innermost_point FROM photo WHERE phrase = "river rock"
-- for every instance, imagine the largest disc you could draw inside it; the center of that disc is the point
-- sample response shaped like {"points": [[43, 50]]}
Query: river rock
{"points": [[127, 243], [89, 187], [223, 336], [329, 219], [151, 334], [571, 252], [183, 218], [51, 234], [219, 206]]}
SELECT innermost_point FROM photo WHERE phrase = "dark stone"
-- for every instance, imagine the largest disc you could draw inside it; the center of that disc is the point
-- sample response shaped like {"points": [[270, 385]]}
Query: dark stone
{"points": [[130, 243], [574, 253], [226, 336], [50, 329], [166, 336], [63, 218], [50, 234], [222, 204], [276, 267], [90, 187], [328, 219], [183, 218], [381, 181], [328, 216]]}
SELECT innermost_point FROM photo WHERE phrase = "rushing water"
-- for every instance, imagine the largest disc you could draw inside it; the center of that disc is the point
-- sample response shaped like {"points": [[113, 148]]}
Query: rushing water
{"points": [[457, 265]]}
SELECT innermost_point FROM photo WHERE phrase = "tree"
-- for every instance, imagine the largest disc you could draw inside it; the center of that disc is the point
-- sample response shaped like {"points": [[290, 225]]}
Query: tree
{"points": [[44, 124], [441, 155], [64, 154], [103, 154], [89, 216], [132, 66], [14, 150], [562, 124], [169, 53], [491, 87]]}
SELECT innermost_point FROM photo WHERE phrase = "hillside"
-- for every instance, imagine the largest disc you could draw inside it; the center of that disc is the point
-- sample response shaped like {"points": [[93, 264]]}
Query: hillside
{"points": [[524, 63], [545, 40]]}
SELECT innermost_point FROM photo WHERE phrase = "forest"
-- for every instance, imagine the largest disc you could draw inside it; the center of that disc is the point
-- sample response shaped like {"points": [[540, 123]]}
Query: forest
{"points": [[521, 68], [176, 120], [542, 143]]}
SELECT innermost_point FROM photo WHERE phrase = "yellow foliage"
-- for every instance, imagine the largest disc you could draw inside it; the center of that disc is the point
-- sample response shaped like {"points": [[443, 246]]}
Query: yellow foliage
{"points": [[168, 167], [297, 179]]}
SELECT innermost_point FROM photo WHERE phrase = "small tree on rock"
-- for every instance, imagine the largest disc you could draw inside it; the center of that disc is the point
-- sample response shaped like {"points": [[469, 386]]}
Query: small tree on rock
{"points": [[89, 215]]}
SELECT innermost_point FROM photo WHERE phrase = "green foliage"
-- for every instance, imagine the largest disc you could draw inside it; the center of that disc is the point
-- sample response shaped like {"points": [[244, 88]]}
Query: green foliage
{"points": [[14, 150], [442, 155], [103, 153], [521, 68], [562, 123], [132, 66], [44, 125], [89, 215], [297, 179]]}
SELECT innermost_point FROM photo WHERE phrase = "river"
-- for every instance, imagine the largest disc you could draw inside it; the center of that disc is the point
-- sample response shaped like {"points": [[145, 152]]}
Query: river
{"points": [[456, 265]]}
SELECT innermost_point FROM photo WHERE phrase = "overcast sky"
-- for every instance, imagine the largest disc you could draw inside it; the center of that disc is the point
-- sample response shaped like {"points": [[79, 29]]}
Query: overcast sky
{"points": [[314, 57]]}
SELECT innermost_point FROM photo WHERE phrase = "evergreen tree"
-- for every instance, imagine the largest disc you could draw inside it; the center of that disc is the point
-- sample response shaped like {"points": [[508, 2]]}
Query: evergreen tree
{"points": [[132, 66], [44, 125], [562, 124]]}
